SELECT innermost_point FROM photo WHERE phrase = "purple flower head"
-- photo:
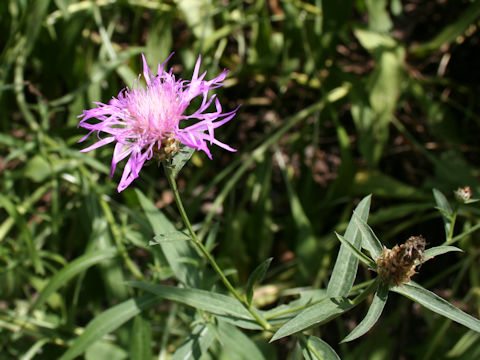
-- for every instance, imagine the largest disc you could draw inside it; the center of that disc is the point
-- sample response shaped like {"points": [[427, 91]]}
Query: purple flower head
{"points": [[145, 121]]}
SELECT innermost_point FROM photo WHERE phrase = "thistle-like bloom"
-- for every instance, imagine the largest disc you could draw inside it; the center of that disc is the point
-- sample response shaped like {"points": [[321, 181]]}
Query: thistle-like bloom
{"points": [[144, 122]]}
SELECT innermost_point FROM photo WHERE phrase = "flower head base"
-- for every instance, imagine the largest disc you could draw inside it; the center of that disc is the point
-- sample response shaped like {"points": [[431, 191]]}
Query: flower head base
{"points": [[145, 122]]}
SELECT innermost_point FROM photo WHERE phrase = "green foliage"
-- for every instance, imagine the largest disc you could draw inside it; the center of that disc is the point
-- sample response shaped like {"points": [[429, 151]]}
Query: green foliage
{"points": [[340, 100]]}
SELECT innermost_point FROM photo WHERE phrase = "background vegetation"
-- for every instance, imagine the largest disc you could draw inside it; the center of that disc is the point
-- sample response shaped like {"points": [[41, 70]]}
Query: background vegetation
{"points": [[340, 99]]}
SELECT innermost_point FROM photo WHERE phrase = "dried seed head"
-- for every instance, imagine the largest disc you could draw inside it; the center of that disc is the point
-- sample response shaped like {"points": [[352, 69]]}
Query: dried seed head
{"points": [[397, 265]]}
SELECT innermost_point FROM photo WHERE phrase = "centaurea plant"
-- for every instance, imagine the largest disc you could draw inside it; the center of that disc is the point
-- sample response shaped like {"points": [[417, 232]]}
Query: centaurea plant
{"points": [[147, 122]]}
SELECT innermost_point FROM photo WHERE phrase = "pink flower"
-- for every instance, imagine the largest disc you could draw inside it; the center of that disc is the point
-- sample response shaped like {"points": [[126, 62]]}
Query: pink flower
{"points": [[143, 120]]}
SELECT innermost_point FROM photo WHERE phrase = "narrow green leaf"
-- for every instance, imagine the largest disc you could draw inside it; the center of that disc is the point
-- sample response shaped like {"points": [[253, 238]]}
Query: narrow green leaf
{"points": [[19, 219], [317, 314], [76, 267], [141, 339], [214, 303], [102, 350], [357, 253], [187, 273], [255, 277], [196, 345], [235, 342], [34, 21], [378, 17], [436, 304], [315, 348], [370, 240], [168, 237], [445, 208], [439, 250], [451, 32], [345, 269], [373, 314], [469, 339], [181, 158], [107, 322], [286, 312]]}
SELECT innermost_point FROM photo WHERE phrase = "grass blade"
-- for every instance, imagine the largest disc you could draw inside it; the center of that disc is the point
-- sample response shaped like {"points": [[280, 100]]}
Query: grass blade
{"points": [[107, 322], [255, 277], [141, 339], [76, 267]]}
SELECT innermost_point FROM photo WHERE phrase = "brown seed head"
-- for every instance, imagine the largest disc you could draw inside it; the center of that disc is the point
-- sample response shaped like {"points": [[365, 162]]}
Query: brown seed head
{"points": [[397, 265]]}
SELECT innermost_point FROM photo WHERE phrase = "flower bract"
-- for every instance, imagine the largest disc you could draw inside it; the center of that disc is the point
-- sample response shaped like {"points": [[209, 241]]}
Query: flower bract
{"points": [[141, 121]]}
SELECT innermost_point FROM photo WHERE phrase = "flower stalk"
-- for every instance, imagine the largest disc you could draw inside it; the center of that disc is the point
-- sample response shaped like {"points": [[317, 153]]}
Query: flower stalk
{"points": [[173, 185]]}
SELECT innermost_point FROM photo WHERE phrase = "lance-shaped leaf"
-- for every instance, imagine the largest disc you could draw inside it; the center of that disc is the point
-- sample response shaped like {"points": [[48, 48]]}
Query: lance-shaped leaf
{"points": [[180, 159], [435, 303], [345, 269], [174, 251], [255, 277], [141, 339], [444, 207], [438, 250], [170, 237], [369, 239], [235, 342], [223, 306], [356, 252], [317, 314], [314, 348], [196, 345], [373, 314]]}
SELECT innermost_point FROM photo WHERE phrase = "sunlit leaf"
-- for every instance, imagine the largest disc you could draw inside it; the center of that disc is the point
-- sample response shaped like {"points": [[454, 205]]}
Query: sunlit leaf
{"points": [[214, 303]]}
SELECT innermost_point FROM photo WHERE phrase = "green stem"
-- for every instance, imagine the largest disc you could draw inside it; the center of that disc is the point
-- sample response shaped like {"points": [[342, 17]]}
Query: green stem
{"points": [[205, 252], [452, 226]]}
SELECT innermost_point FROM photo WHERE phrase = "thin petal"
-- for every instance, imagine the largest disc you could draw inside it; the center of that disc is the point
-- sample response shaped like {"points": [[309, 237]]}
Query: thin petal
{"points": [[146, 70], [102, 142]]}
